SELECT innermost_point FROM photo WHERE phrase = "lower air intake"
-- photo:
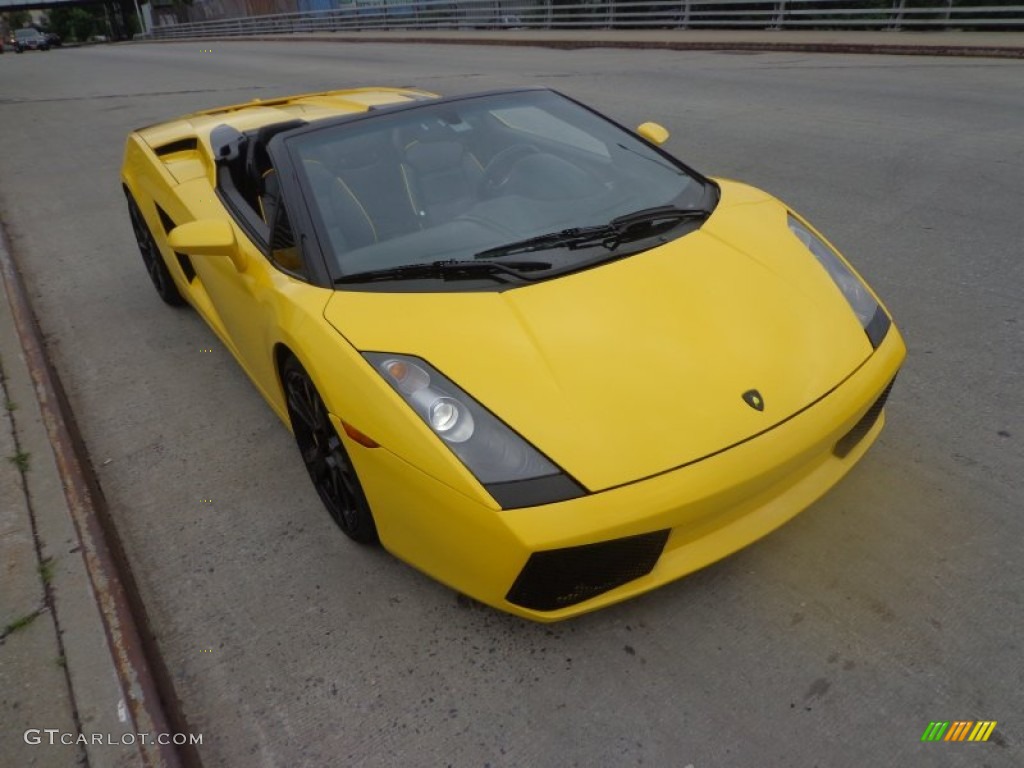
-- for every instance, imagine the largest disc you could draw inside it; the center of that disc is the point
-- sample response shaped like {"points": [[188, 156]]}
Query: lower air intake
{"points": [[849, 441], [557, 578]]}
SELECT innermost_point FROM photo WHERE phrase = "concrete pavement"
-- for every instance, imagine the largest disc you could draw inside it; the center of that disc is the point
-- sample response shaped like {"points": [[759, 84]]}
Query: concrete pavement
{"points": [[34, 685], [850, 612], [69, 692]]}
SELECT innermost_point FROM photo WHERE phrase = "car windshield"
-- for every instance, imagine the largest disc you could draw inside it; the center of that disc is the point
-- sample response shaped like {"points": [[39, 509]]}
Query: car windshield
{"points": [[481, 177], [26, 34]]}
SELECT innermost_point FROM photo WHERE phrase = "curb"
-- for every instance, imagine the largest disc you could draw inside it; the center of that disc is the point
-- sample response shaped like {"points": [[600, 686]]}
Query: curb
{"points": [[893, 49], [143, 679]]}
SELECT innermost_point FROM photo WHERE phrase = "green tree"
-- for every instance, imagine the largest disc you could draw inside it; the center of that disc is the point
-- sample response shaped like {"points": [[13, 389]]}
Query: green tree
{"points": [[17, 19], [78, 23]]}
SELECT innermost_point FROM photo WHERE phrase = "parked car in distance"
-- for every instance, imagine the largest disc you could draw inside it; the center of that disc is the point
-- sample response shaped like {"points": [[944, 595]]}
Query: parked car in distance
{"points": [[53, 39], [30, 39]]}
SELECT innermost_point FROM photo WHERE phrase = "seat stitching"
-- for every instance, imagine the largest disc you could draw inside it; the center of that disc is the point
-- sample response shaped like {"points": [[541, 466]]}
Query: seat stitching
{"points": [[361, 208], [412, 201]]}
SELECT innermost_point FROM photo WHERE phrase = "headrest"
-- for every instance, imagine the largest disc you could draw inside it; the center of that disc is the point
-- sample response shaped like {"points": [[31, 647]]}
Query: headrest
{"points": [[318, 174], [355, 151], [433, 156], [271, 183], [257, 157]]}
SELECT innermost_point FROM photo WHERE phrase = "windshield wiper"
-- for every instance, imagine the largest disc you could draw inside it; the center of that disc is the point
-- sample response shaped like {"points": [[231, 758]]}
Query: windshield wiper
{"points": [[658, 213], [572, 238], [621, 229], [449, 270]]}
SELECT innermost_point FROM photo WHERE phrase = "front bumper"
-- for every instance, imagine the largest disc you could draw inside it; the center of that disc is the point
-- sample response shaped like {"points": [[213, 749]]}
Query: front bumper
{"points": [[673, 523]]}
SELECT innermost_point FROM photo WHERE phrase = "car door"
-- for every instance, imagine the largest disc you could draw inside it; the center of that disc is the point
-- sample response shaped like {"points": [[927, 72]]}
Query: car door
{"points": [[253, 293]]}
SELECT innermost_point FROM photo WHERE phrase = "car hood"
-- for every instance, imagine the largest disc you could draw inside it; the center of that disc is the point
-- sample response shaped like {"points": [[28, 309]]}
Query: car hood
{"points": [[640, 365]]}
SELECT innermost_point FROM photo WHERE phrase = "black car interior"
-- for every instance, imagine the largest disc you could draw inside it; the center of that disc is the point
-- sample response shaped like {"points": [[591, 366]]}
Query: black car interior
{"points": [[426, 184], [435, 183]]}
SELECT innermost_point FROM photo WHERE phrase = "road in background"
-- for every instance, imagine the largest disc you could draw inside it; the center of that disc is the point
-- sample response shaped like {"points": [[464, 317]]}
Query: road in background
{"points": [[894, 601]]}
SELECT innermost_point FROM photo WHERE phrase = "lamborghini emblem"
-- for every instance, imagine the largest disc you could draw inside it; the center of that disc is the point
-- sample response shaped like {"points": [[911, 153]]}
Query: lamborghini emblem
{"points": [[753, 398]]}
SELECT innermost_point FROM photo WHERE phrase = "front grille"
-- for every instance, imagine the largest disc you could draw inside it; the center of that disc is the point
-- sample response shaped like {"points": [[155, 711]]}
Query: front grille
{"points": [[557, 578], [849, 441]]}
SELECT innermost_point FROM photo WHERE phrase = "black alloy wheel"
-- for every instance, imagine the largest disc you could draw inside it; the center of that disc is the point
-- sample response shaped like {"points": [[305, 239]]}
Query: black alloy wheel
{"points": [[155, 266], [326, 460]]}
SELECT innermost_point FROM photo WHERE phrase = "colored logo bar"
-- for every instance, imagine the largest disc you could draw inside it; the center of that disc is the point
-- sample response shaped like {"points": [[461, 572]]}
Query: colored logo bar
{"points": [[958, 730]]}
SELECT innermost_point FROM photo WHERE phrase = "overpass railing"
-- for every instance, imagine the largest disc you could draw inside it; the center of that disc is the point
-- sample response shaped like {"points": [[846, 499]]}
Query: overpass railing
{"points": [[599, 14]]}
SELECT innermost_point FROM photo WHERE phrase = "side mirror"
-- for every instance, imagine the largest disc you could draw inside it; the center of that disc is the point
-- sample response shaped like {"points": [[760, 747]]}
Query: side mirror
{"points": [[204, 237], [653, 132]]}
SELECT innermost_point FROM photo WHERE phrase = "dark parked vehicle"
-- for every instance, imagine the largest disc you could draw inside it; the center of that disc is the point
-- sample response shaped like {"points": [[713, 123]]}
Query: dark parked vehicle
{"points": [[53, 39], [30, 39]]}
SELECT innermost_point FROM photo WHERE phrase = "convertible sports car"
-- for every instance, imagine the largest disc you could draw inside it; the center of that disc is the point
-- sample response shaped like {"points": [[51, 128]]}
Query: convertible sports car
{"points": [[531, 353]]}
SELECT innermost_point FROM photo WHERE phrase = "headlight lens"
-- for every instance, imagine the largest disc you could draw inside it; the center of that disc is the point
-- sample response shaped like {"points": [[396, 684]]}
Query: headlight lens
{"points": [[873, 318], [512, 470], [451, 420]]}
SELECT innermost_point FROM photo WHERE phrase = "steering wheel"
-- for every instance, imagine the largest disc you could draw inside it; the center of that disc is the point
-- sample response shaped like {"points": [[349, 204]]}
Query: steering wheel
{"points": [[499, 169]]}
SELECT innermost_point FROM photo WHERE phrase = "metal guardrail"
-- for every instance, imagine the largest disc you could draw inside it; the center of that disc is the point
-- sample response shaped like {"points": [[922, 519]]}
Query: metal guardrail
{"points": [[602, 14]]}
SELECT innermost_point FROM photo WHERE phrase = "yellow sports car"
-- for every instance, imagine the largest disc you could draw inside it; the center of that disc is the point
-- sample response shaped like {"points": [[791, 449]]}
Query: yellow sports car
{"points": [[527, 350]]}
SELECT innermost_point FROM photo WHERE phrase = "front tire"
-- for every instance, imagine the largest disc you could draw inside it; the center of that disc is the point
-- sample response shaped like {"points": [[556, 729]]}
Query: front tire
{"points": [[155, 266], [328, 464]]}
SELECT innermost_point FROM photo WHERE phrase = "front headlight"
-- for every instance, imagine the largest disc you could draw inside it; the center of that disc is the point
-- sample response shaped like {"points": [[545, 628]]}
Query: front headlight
{"points": [[873, 319], [514, 472]]}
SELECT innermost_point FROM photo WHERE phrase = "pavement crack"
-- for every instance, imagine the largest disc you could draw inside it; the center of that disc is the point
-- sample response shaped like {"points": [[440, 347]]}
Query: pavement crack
{"points": [[44, 564], [21, 622]]}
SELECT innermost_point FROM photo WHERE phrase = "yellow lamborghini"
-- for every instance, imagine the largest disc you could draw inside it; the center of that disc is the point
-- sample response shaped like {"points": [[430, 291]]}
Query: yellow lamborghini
{"points": [[527, 350]]}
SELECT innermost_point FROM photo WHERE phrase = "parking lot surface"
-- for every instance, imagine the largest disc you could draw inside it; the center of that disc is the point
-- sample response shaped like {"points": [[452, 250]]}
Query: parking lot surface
{"points": [[893, 602]]}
